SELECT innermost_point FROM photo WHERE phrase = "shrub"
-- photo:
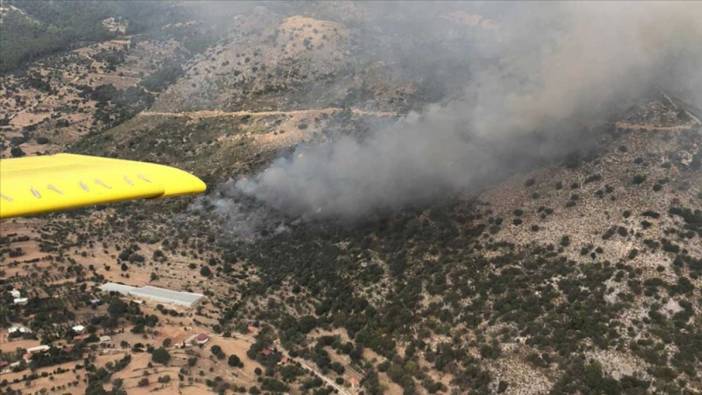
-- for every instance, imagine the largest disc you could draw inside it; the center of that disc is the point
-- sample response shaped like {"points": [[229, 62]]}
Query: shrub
{"points": [[609, 233], [651, 214], [593, 178], [669, 246], [217, 352], [235, 362], [638, 179], [161, 355], [565, 241], [16, 152], [273, 385]]}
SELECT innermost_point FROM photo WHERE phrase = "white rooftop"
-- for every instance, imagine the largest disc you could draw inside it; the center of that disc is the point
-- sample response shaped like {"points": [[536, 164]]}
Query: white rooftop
{"points": [[40, 348], [188, 299], [20, 300], [18, 328], [115, 287]]}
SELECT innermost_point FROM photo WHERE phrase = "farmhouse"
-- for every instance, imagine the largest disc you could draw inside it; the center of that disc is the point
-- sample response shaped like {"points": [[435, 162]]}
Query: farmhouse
{"points": [[20, 301], [38, 349], [18, 329], [78, 328], [198, 338]]}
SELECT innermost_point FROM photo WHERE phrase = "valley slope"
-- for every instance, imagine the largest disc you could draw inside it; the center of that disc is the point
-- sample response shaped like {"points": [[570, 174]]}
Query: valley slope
{"points": [[580, 275]]}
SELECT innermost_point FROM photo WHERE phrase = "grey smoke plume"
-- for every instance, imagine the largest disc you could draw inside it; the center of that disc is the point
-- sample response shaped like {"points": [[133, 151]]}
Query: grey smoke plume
{"points": [[559, 67]]}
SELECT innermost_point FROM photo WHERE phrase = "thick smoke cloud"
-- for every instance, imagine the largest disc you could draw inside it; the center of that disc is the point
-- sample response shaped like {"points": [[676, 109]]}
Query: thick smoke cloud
{"points": [[558, 69]]}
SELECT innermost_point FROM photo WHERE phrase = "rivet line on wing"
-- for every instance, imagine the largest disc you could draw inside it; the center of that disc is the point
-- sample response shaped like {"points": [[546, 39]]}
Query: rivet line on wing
{"points": [[51, 187], [102, 184]]}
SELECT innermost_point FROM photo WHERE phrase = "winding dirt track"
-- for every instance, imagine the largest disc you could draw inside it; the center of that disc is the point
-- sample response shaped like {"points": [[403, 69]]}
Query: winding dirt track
{"points": [[218, 113], [654, 128]]}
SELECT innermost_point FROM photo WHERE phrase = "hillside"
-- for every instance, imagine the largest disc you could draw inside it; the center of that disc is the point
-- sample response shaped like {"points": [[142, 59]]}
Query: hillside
{"points": [[576, 273], [590, 266], [30, 30]]}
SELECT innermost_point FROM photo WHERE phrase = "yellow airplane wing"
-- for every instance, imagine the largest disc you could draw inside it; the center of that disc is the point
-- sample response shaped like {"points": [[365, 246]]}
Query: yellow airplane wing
{"points": [[40, 184]]}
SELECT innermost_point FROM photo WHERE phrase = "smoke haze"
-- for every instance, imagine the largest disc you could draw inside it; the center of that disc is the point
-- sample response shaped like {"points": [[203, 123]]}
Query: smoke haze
{"points": [[551, 70]]}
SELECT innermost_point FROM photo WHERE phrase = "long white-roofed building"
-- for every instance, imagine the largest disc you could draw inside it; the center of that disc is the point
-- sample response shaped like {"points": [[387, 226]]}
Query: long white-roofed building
{"points": [[116, 287], [162, 295]]}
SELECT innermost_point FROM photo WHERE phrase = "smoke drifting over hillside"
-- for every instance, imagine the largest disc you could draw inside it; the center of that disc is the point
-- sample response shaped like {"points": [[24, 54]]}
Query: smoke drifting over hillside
{"points": [[558, 68]]}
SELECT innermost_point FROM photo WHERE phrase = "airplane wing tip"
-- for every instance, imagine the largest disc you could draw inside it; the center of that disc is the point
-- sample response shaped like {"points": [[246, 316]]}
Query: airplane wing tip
{"points": [[41, 184]]}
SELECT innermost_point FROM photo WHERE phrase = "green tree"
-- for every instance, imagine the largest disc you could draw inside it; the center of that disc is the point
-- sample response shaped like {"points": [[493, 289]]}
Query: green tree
{"points": [[117, 308], [161, 355], [235, 362], [217, 351]]}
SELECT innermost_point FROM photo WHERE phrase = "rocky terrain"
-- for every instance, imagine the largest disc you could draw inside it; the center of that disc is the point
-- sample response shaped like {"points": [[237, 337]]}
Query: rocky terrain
{"points": [[576, 275]]}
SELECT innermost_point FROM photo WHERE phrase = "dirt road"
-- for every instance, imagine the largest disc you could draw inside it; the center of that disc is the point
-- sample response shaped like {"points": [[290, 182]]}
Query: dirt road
{"points": [[218, 113]]}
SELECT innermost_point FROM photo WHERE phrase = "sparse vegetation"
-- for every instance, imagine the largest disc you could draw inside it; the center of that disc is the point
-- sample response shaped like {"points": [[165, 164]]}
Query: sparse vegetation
{"points": [[580, 277]]}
